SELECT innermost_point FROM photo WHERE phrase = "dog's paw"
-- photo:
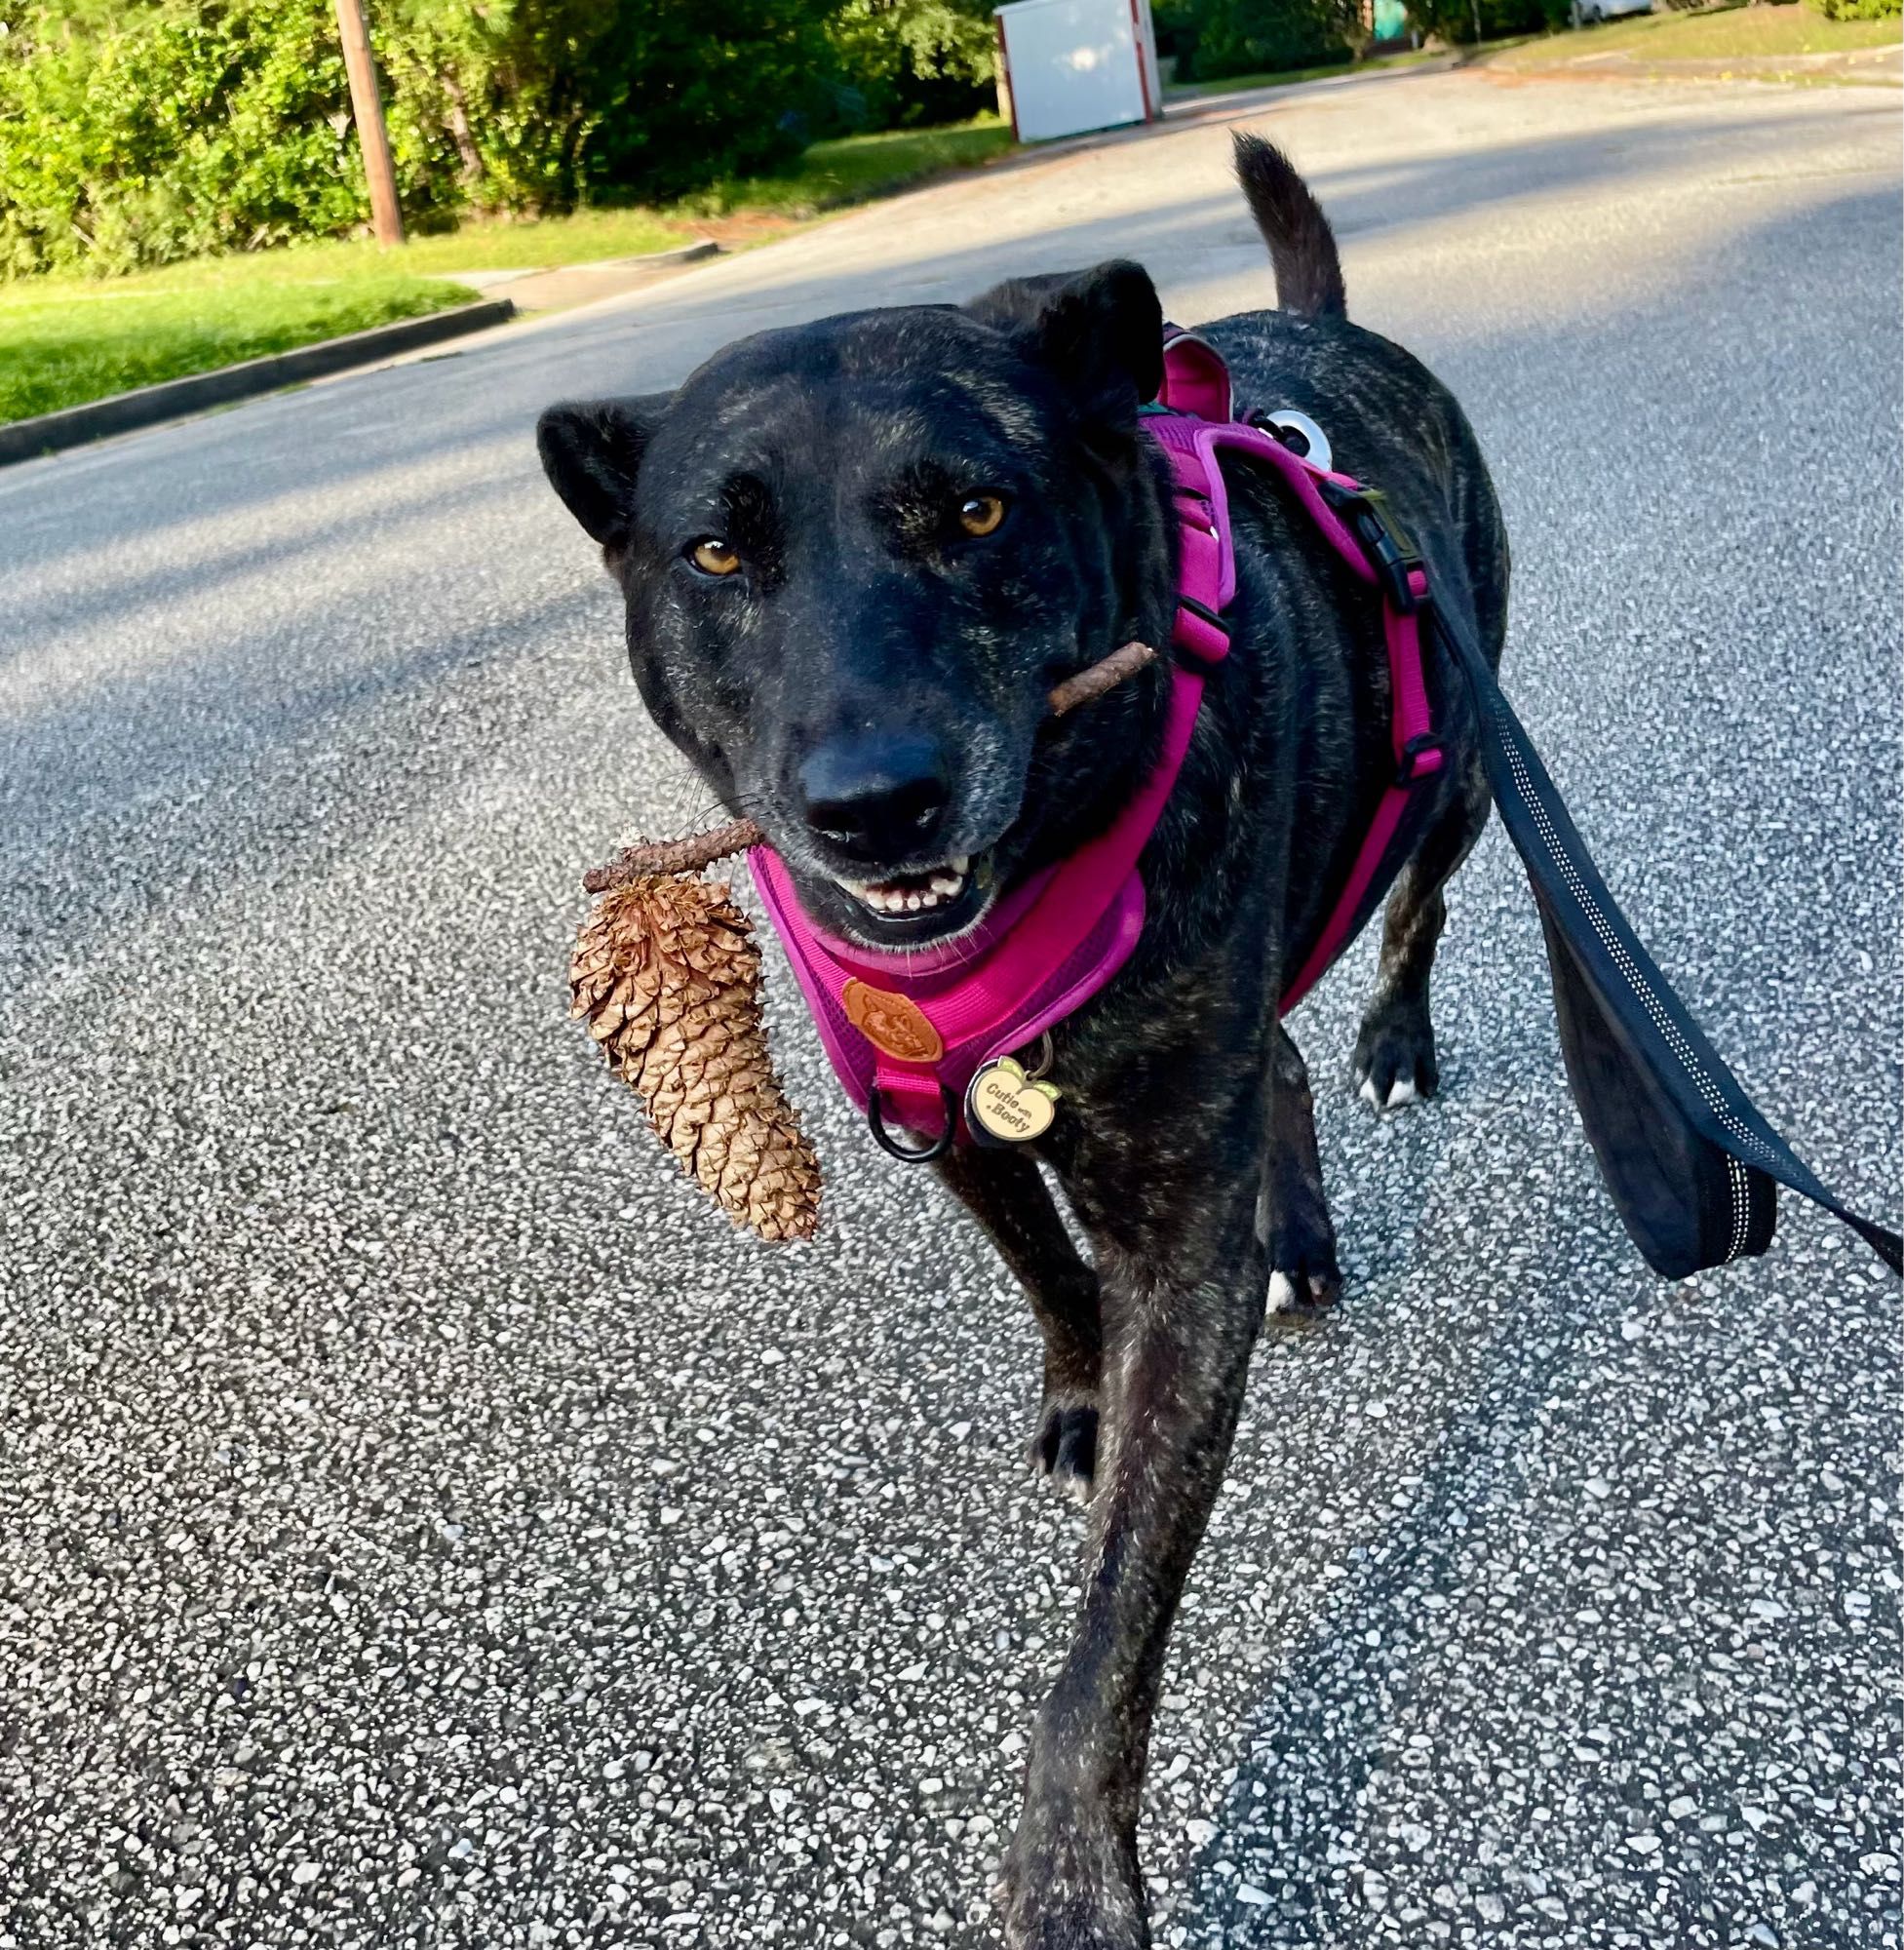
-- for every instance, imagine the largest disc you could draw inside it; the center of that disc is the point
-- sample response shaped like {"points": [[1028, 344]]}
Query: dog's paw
{"points": [[1304, 1278], [1070, 1887], [1296, 1298], [1065, 1447], [1395, 1056]]}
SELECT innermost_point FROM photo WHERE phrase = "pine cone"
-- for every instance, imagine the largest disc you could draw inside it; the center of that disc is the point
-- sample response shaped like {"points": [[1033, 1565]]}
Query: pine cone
{"points": [[667, 975]]}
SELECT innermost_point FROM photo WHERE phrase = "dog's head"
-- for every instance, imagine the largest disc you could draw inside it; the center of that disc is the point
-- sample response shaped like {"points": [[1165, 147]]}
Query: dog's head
{"points": [[857, 555]]}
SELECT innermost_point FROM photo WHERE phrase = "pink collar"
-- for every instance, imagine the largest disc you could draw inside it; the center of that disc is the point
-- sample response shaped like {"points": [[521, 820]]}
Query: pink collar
{"points": [[907, 1036]]}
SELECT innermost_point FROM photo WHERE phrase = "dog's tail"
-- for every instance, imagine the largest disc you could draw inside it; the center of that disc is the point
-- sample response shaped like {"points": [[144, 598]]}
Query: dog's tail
{"points": [[1301, 245]]}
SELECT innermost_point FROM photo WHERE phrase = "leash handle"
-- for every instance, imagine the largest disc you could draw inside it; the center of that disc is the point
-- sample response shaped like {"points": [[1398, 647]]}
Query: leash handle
{"points": [[1690, 1162]]}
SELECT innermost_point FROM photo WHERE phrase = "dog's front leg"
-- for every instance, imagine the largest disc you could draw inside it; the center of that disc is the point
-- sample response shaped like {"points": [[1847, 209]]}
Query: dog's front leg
{"points": [[1004, 1192], [1183, 1298]]}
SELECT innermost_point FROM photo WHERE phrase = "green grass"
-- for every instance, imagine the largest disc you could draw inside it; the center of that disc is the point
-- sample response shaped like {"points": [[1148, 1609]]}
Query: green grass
{"points": [[1719, 33], [832, 174], [540, 244], [68, 340]]}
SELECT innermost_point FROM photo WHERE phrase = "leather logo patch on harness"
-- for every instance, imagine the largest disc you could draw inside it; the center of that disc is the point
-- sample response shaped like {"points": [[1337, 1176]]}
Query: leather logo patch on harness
{"points": [[894, 1023]]}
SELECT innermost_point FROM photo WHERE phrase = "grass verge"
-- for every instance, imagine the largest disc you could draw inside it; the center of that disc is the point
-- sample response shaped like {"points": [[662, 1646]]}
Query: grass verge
{"points": [[539, 243], [1710, 34], [858, 166], [63, 341], [1736, 32], [68, 340]]}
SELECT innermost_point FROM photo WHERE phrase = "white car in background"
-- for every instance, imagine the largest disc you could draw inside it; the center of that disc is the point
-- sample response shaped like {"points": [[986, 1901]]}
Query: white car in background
{"points": [[1587, 12]]}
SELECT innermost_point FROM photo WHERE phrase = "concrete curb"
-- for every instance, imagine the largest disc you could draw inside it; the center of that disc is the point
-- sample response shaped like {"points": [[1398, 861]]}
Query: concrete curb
{"points": [[647, 264], [563, 286], [655, 261], [173, 399]]}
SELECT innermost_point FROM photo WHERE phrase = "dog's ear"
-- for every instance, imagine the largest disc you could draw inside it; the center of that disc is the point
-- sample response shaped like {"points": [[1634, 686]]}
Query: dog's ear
{"points": [[592, 451], [1100, 330]]}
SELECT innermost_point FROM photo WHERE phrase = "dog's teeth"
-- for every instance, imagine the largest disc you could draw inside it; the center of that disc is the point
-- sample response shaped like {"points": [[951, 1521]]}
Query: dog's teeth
{"points": [[960, 864], [917, 893]]}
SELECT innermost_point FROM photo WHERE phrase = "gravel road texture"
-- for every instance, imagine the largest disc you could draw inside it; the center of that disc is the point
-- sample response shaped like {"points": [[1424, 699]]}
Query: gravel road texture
{"points": [[424, 1523]]}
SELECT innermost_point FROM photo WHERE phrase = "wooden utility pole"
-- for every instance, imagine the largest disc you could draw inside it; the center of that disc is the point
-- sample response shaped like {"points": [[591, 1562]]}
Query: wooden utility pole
{"points": [[367, 109]]}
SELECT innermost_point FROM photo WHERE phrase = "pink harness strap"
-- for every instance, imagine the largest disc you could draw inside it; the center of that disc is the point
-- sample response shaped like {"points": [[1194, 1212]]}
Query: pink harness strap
{"points": [[1052, 944]]}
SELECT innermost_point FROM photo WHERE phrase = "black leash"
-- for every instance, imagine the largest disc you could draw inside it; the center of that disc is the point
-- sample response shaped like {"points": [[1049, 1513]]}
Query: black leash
{"points": [[1689, 1162], [1693, 1168]]}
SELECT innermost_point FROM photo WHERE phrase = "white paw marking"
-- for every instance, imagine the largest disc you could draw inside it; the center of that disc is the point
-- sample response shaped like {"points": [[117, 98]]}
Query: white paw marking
{"points": [[1401, 1092], [1282, 1292], [1369, 1096]]}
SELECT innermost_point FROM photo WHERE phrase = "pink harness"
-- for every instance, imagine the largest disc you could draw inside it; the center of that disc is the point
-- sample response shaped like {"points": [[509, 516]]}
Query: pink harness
{"points": [[1050, 944]]}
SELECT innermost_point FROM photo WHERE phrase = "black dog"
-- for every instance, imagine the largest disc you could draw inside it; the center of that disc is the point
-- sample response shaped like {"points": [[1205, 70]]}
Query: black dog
{"points": [[857, 555]]}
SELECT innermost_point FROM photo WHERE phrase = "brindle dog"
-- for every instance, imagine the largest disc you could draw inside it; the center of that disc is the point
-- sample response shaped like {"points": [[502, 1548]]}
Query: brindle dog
{"points": [[857, 554]]}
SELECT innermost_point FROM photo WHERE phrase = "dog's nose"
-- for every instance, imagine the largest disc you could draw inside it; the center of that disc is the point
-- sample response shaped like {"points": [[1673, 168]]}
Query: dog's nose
{"points": [[881, 799]]}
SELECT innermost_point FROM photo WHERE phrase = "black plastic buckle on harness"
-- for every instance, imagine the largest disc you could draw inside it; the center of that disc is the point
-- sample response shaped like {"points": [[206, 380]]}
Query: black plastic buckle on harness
{"points": [[1408, 767], [1205, 614], [1364, 512]]}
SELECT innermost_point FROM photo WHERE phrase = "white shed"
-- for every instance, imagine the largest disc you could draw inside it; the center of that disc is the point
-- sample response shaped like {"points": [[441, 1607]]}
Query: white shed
{"points": [[1069, 66]]}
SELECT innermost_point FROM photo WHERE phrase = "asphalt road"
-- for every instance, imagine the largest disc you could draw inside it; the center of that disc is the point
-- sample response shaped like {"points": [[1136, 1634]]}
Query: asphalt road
{"points": [[422, 1523]]}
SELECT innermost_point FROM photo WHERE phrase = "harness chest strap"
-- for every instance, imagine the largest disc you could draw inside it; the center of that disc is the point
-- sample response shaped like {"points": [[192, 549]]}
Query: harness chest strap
{"points": [[1197, 426], [907, 1040]]}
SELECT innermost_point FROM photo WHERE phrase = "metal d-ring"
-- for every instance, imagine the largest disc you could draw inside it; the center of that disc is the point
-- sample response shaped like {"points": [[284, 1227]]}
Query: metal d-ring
{"points": [[887, 1142], [1314, 445]]}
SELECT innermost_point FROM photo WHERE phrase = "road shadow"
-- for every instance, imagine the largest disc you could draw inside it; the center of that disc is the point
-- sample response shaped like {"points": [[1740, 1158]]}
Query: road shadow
{"points": [[234, 728], [493, 394]]}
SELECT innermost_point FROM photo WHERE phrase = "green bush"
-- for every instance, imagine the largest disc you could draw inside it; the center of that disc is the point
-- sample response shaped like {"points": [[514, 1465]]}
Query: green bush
{"points": [[166, 136], [1857, 10], [904, 64], [153, 130], [1455, 20], [1214, 38]]}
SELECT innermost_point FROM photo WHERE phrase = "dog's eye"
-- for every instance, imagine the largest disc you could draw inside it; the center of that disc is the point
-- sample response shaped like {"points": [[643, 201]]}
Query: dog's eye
{"points": [[980, 514], [712, 557]]}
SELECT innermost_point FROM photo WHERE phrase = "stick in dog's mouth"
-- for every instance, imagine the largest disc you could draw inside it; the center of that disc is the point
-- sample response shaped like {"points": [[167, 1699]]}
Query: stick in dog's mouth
{"points": [[914, 893]]}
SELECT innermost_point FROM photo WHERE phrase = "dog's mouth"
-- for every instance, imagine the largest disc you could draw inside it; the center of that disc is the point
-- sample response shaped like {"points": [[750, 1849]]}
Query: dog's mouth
{"points": [[921, 892], [926, 904]]}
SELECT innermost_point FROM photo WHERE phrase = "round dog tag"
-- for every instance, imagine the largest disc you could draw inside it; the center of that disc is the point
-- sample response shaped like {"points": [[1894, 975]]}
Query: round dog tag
{"points": [[1008, 1106]]}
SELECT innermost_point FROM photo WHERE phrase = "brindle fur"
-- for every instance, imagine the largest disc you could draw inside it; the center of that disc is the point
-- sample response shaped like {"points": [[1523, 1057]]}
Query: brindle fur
{"points": [[1185, 1149]]}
